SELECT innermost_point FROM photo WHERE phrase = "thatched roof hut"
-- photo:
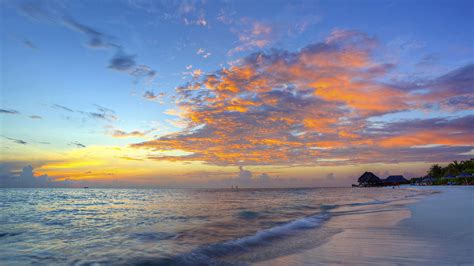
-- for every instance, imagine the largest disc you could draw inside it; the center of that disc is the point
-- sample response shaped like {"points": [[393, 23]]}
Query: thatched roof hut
{"points": [[464, 175], [369, 179], [449, 176], [395, 179]]}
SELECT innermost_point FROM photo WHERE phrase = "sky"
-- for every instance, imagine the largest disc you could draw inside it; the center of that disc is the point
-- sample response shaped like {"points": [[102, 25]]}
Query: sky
{"points": [[141, 93]]}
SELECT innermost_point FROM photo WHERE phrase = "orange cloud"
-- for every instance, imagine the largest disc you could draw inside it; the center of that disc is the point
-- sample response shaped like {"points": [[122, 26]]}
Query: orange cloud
{"points": [[428, 138], [308, 107]]}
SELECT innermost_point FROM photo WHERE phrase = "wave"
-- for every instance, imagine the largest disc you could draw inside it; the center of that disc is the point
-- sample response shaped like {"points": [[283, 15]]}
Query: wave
{"points": [[281, 230], [8, 234], [209, 254]]}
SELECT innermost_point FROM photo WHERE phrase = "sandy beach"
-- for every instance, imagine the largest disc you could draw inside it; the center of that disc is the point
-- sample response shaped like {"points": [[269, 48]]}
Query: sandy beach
{"points": [[435, 230]]}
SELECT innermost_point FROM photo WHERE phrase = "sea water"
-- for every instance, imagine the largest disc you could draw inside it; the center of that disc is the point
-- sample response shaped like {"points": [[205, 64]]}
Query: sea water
{"points": [[173, 226]]}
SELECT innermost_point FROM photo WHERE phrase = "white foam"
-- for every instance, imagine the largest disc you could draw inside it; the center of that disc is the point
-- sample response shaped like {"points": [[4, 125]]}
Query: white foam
{"points": [[282, 230]]}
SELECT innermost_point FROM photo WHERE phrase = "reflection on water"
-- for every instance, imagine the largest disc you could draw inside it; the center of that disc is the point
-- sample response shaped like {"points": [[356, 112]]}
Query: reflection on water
{"points": [[171, 225]]}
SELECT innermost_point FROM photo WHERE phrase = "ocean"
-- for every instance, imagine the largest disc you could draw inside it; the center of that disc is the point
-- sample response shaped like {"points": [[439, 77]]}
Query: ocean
{"points": [[176, 226]]}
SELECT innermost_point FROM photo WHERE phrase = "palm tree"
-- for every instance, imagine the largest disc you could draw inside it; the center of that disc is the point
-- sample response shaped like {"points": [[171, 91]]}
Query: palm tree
{"points": [[436, 171]]}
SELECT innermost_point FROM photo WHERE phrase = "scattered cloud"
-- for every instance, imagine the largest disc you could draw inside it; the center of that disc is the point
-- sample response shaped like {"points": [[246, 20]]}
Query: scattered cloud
{"points": [[152, 96], [185, 12], [253, 35], [29, 44], [330, 176], [122, 62], [96, 39], [203, 53], [51, 12], [226, 15], [9, 111], [17, 141], [26, 178], [63, 108], [104, 116], [428, 60], [197, 73], [117, 133], [130, 158], [314, 107], [77, 144], [101, 112]]}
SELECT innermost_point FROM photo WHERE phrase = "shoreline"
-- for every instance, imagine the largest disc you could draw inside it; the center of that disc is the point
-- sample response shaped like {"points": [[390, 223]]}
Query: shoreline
{"points": [[436, 229]]}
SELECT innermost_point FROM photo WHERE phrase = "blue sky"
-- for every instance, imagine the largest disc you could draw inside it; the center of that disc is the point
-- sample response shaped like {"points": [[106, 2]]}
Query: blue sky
{"points": [[61, 53]]}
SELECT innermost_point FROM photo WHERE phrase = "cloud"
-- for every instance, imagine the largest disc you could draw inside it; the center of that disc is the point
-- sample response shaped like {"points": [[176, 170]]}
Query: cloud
{"points": [[27, 43], [226, 15], [126, 63], [244, 175], [151, 96], [60, 107], [9, 111], [330, 176], [245, 178], [117, 133], [52, 12], [35, 117], [17, 141], [253, 35], [77, 144], [104, 116], [96, 39], [185, 12], [122, 62], [203, 53], [313, 107], [26, 178], [102, 113], [419, 132], [130, 158], [428, 60], [455, 87]]}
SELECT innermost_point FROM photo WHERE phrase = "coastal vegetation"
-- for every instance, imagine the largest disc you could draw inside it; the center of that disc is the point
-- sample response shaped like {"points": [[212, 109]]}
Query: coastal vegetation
{"points": [[458, 173], [455, 173], [453, 169]]}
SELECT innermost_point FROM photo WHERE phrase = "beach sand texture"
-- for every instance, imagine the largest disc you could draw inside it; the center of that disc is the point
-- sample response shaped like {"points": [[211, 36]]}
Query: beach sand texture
{"points": [[436, 230]]}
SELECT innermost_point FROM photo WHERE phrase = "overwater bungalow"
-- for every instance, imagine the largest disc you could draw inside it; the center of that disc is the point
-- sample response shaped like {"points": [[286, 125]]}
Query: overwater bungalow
{"points": [[369, 179], [394, 180], [449, 177], [464, 175]]}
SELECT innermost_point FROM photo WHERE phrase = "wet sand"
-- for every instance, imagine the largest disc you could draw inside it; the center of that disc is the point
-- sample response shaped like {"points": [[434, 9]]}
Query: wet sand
{"points": [[436, 230]]}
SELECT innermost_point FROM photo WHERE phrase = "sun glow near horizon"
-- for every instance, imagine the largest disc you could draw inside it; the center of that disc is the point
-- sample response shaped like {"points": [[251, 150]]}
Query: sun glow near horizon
{"points": [[286, 94]]}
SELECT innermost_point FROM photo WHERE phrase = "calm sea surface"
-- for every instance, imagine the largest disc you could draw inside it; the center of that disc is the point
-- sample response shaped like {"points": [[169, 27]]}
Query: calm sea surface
{"points": [[172, 226]]}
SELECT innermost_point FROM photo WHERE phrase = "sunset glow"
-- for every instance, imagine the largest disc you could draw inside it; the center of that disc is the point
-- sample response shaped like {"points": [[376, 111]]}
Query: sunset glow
{"points": [[216, 93]]}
